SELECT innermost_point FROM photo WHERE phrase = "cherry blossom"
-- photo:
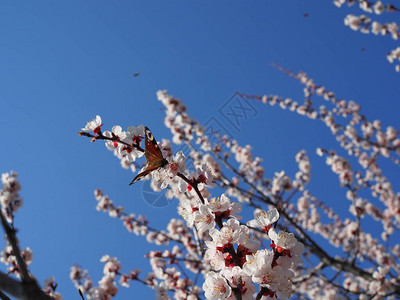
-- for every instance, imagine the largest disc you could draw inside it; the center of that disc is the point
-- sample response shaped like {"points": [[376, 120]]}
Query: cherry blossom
{"points": [[205, 176], [264, 219], [216, 287], [238, 280], [93, 125], [49, 287], [162, 291], [204, 218]]}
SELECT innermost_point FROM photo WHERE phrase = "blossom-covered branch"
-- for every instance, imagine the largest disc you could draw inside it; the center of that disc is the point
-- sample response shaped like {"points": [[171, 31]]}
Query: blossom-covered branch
{"points": [[237, 263], [17, 260], [365, 24]]}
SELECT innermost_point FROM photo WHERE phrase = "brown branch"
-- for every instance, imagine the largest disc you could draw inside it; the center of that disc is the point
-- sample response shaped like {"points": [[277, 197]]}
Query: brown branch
{"points": [[10, 233], [3, 296], [22, 290], [28, 289], [100, 136], [310, 273], [11, 286], [193, 184]]}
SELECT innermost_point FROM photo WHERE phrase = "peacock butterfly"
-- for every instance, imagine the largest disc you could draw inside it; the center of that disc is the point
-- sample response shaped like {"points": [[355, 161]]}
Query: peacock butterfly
{"points": [[153, 155]]}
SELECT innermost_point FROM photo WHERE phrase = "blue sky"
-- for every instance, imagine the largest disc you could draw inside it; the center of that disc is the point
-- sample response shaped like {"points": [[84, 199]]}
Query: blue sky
{"points": [[64, 62]]}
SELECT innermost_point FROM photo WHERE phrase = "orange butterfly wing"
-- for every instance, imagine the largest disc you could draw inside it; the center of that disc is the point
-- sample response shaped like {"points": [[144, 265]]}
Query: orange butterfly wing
{"points": [[153, 155]]}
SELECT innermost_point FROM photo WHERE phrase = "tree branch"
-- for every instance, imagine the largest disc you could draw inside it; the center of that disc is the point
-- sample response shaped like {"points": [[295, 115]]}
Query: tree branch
{"points": [[28, 289]]}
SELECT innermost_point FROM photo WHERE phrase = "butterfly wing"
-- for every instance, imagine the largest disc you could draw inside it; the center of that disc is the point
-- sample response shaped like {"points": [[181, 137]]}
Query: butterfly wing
{"points": [[152, 151], [143, 174], [153, 155]]}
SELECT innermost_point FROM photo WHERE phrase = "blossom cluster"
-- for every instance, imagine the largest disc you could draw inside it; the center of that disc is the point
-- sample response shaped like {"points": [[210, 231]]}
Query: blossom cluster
{"points": [[232, 256], [365, 24], [368, 6], [361, 145], [241, 264], [10, 199], [8, 258], [124, 144], [366, 141], [10, 202], [107, 287], [50, 286]]}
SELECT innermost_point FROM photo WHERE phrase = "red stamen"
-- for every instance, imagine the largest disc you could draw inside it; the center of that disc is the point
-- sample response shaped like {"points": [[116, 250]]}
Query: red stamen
{"points": [[97, 130]]}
